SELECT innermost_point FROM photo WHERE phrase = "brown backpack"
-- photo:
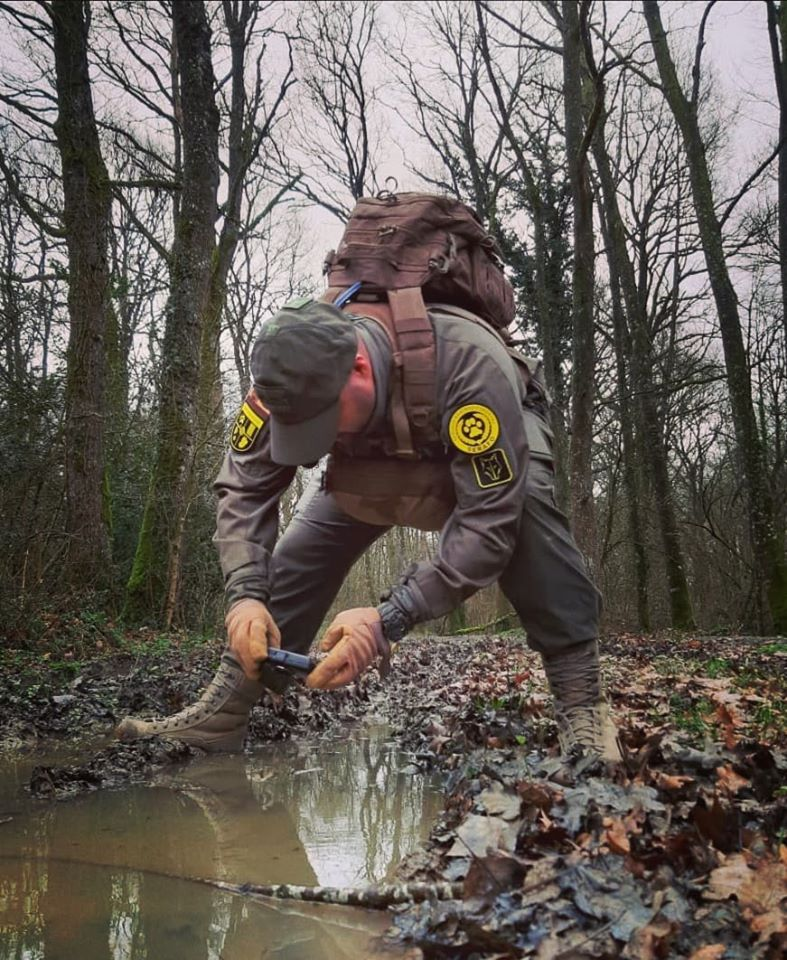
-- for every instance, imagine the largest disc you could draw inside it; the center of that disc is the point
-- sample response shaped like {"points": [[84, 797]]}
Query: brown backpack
{"points": [[408, 248]]}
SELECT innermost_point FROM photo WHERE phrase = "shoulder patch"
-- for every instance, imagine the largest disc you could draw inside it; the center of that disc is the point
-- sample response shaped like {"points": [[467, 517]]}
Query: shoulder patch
{"points": [[492, 469], [251, 418], [473, 428]]}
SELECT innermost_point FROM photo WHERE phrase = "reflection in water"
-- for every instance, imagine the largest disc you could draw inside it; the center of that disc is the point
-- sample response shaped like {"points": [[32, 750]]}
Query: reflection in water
{"points": [[81, 879]]}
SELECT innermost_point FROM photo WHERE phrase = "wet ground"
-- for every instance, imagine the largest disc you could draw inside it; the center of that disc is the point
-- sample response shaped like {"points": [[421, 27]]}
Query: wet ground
{"points": [[678, 852], [86, 878]]}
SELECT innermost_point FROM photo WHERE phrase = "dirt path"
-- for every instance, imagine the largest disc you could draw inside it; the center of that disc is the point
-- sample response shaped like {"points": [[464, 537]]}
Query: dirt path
{"points": [[680, 854]]}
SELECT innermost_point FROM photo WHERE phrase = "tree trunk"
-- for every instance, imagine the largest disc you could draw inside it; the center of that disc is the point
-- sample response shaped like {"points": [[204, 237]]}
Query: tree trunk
{"points": [[632, 475], [154, 584], [545, 281], [777, 31], [86, 214], [769, 561], [642, 384], [584, 354]]}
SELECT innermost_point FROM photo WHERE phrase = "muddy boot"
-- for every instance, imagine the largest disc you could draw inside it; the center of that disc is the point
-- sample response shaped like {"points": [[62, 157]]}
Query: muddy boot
{"points": [[217, 722], [581, 710]]}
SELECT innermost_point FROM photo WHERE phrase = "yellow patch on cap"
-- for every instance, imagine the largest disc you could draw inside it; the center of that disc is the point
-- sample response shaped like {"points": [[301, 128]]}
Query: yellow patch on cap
{"points": [[247, 425], [473, 428], [492, 469]]}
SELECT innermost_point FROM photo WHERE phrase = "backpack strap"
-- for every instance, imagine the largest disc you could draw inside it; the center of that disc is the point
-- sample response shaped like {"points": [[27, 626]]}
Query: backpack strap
{"points": [[415, 361], [413, 408]]}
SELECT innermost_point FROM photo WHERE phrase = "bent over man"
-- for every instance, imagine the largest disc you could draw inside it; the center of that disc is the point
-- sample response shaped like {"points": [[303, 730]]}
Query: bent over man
{"points": [[324, 382]]}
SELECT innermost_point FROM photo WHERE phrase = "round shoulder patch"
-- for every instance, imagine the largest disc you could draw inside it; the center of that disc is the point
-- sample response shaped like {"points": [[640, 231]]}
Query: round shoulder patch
{"points": [[473, 428]]}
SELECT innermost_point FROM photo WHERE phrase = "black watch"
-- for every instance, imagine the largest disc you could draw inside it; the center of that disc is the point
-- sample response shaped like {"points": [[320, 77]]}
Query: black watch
{"points": [[395, 623]]}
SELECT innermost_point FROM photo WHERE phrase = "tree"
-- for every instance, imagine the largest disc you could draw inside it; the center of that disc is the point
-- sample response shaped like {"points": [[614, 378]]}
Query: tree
{"points": [[335, 156], [154, 582], [777, 34], [639, 349], [85, 219], [579, 132], [543, 190], [770, 563]]}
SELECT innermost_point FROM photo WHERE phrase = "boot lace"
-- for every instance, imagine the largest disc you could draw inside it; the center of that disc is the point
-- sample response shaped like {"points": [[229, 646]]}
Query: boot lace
{"points": [[579, 726]]}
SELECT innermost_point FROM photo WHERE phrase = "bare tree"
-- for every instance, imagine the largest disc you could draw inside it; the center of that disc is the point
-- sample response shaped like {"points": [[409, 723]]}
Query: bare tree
{"points": [[335, 145], [531, 145], [86, 218], [771, 566], [155, 579], [579, 129], [777, 34], [624, 282]]}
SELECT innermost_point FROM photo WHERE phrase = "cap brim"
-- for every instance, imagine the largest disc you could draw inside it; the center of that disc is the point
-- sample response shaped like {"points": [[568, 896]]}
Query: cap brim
{"points": [[295, 444]]}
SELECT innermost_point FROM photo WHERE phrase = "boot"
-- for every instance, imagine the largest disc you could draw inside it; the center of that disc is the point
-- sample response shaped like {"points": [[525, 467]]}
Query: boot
{"points": [[581, 710], [217, 722]]}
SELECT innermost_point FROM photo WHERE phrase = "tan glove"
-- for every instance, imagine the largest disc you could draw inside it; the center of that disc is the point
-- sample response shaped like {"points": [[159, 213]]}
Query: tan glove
{"points": [[250, 631], [355, 639]]}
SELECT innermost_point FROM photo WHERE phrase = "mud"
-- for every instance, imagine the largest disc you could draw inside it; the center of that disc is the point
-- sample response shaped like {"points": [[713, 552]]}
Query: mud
{"points": [[680, 852]]}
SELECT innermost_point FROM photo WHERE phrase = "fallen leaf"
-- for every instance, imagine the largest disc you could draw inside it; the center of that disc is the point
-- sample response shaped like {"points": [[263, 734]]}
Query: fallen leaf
{"points": [[670, 781], [760, 889], [477, 835], [651, 942], [713, 951], [729, 781], [536, 794], [489, 876], [497, 801], [728, 721], [616, 835], [768, 924]]}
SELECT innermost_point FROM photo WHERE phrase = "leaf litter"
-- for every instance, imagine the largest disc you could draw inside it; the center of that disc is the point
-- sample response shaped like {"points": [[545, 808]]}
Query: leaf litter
{"points": [[680, 852]]}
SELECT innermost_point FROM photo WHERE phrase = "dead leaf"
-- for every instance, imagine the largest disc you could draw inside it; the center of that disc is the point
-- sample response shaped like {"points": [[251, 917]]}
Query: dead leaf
{"points": [[768, 924], [728, 720], [668, 781], [499, 802], [713, 951], [729, 781], [651, 941], [537, 794], [477, 835], [760, 889], [717, 822], [616, 835], [489, 876]]}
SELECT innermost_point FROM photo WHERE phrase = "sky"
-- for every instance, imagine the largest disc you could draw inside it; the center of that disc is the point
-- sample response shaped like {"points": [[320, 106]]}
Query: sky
{"points": [[737, 56]]}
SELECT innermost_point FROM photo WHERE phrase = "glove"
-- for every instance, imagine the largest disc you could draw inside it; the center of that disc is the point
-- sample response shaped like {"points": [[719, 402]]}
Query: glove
{"points": [[355, 639], [250, 630]]}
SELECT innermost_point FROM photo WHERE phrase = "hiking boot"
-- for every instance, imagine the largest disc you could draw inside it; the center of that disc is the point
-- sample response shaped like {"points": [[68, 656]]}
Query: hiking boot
{"points": [[217, 722], [587, 730], [581, 710]]}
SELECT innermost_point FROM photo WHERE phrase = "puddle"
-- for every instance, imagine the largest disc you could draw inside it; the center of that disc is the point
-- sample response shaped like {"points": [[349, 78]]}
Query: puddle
{"points": [[81, 878]]}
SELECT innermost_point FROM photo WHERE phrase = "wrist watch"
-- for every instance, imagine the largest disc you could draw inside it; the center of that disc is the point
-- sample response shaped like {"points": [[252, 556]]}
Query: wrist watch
{"points": [[395, 622]]}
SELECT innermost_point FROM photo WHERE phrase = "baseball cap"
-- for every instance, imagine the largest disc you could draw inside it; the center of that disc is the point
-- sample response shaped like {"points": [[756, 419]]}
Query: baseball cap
{"points": [[300, 363]]}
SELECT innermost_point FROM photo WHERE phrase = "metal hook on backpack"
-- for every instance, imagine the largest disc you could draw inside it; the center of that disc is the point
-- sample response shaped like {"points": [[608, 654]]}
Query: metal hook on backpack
{"points": [[444, 261], [389, 193]]}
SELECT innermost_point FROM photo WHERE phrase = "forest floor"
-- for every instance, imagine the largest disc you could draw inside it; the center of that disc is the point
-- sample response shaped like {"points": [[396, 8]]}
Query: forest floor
{"points": [[680, 852]]}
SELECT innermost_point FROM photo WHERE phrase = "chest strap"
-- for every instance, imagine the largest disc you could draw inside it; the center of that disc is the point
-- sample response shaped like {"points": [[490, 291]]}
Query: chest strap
{"points": [[413, 408]]}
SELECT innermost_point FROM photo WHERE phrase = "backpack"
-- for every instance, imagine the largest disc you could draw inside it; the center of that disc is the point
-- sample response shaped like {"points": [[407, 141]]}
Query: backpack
{"points": [[410, 248], [423, 242]]}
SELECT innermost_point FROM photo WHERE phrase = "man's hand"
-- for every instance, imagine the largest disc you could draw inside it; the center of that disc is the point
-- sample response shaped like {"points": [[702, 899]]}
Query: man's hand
{"points": [[355, 639], [250, 631]]}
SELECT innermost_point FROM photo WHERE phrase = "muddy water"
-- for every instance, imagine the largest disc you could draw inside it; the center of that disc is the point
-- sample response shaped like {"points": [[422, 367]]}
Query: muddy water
{"points": [[80, 880]]}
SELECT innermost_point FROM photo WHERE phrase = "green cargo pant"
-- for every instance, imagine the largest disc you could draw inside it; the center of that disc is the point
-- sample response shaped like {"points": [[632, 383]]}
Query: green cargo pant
{"points": [[545, 579]]}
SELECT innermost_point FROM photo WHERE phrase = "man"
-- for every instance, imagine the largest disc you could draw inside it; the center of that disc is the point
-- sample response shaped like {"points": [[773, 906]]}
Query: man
{"points": [[323, 385]]}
